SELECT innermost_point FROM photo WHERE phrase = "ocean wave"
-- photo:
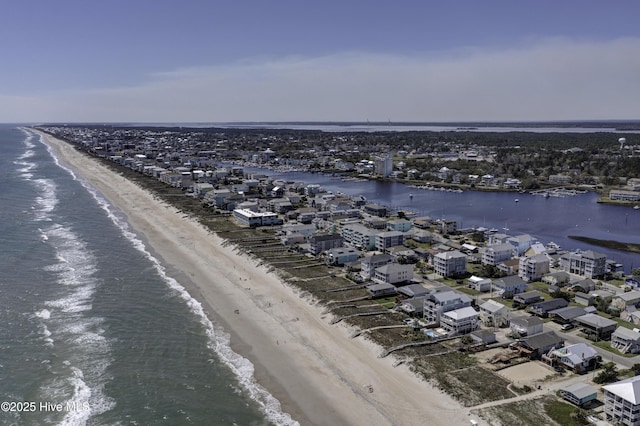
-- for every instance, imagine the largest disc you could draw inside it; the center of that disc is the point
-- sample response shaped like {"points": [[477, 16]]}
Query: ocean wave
{"points": [[47, 199], [78, 337], [242, 368]]}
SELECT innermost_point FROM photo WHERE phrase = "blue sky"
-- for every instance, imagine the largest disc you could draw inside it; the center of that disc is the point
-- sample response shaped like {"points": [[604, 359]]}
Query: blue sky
{"points": [[350, 60]]}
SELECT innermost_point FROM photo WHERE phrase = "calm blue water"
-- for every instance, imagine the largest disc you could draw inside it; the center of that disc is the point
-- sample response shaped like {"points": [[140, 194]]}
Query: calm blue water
{"points": [[548, 219], [91, 321]]}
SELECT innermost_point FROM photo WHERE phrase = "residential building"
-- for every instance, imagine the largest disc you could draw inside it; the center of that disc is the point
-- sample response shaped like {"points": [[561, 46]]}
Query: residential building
{"points": [[479, 284], [520, 243], [526, 326], [532, 268], [579, 393], [507, 287], [579, 357], [542, 309], [375, 210], [624, 195], [413, 290], [384, 240], [400, 225], [624, 300], [496, 253], [340, 256], [537, 345], [359, 236], [393, 273], [450, 264], [494, 314], [383, 165], [625, 340], [369, 264], [622, 402], [558, 279], [438, 303], [320, 243], [413, 307], [381, 290], [253, 219], [588, 264], [528, 297], [596, 326], [459, 321]]}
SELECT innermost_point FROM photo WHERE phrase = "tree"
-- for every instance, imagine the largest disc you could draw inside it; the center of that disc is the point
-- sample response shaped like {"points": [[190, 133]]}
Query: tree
{"points": [[608, 374]]}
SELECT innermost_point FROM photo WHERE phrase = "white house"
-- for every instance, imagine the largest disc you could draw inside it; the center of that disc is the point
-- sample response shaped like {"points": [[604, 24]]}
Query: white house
{"points": [[532, 268], [460, 321], [393, 273], [622, 402], [494, 314], [450, 263]]}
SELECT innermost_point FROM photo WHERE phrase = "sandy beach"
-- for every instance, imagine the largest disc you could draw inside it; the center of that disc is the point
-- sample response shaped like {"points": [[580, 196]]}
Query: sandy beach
{"points": [[320, 375]]}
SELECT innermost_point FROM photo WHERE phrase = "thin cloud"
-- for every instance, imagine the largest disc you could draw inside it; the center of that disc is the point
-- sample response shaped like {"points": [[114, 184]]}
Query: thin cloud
{"points": [[551, 80]]}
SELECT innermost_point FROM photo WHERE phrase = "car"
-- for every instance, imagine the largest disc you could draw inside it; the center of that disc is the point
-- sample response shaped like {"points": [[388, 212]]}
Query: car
{"points": [[566, 327]]}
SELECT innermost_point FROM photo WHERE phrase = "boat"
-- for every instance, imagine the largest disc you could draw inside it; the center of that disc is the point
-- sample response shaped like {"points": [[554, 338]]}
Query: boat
{"points": [[517, 200], [410, 195], [636, 207]]}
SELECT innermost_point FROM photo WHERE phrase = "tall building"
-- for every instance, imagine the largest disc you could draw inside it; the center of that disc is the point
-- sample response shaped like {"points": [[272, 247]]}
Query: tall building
{"points": [[383, 165]]}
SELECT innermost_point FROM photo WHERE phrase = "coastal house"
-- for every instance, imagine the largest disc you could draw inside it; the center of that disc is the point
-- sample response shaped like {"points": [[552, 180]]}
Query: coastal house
{"points": [[542, 309], [385, 240], [253, 219], [400, 225], [375, 210], [381, 290], [393, 273], [588, 264], [624, 300], [359, 236], [622, 402], [369, 264], [459, 321], [584, 299], [507, 287], [526, 326], [539, 344], [450, 264], [479, 284], [597, 327], [438, 303], [533, 268], [520, 243], [527, 298], [579, 393], [413, 307], [413, 291], [585, 286], [340, 256], [567, 314], [323, 242], [625, 340], [496, 253], [494, 314], [579, 357], [631, 314], [557, 279]]}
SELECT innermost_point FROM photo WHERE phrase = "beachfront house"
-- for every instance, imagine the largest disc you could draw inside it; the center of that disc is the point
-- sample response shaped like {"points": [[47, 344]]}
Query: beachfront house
{"points": [[369, 264], [359, 236], [253, 219], [340, 256], [579, 393], [438, 303], [381, 290], [393, 273], [459, 321], [323, 242], [579, 357], [622, 402]]}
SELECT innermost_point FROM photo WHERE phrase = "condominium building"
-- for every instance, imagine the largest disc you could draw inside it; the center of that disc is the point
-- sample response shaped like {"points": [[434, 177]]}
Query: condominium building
{"points": [[450, 263], [588, 263]]}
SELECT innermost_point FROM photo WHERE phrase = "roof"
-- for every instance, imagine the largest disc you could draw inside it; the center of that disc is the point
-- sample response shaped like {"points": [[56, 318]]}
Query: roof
{"points": [[629, 296], [445, 296], [578, 352], [413, 290], [381, 286], [492, 306], [626, 334], [580, 390], [542, 340], [569, 312], [527, 321], [529, 295], [549, 305], [628, 389], [462, 313], [596, 321]]}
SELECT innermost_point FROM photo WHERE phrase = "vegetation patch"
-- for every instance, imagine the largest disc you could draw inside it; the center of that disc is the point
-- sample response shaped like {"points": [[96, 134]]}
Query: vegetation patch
{"points": [[541, 411]]}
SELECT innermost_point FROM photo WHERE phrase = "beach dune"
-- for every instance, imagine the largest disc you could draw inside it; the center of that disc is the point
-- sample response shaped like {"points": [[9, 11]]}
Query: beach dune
{"points": [[320, 375]]}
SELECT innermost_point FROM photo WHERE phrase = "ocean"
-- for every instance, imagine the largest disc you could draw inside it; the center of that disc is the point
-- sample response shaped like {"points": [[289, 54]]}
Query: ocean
{"points": [[94, 331]]}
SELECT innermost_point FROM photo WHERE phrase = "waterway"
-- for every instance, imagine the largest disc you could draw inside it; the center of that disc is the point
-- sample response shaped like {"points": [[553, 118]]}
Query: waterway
{"points": [[550, 219]]}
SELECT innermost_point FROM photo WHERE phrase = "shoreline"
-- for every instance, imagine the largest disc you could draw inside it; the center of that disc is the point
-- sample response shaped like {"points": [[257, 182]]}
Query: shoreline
{"points": [[318, 373]]}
